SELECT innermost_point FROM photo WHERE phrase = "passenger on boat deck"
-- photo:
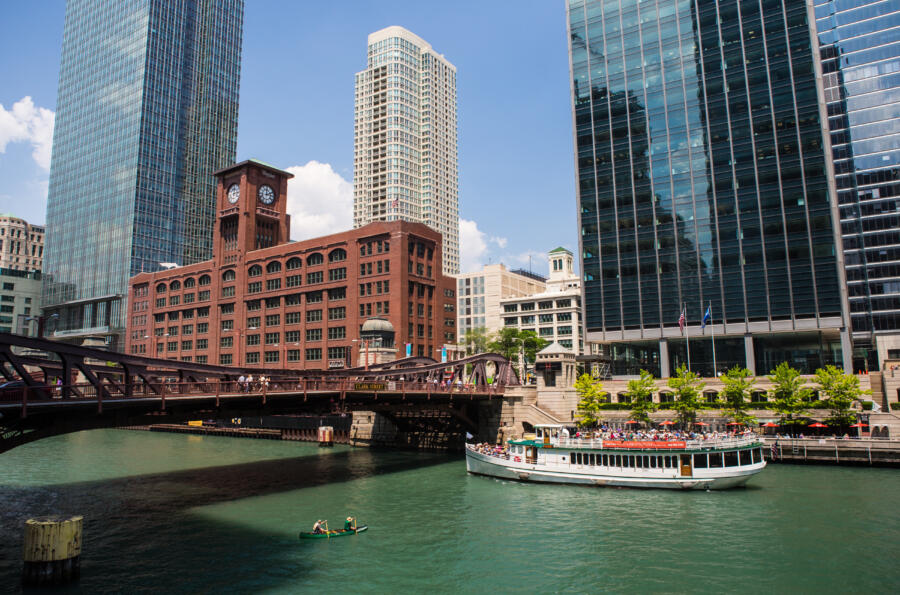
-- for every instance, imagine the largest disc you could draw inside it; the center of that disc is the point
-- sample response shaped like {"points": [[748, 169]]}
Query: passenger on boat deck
{"points": [[318, 527], [348, 524]]}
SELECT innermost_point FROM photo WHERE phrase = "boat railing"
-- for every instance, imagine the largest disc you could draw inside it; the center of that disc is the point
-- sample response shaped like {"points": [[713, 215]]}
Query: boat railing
{"points": [[717, 443]]}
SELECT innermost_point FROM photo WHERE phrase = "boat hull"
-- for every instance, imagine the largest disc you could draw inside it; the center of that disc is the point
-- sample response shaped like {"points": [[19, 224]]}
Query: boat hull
{"points": [[480, 464], [331, 534]]}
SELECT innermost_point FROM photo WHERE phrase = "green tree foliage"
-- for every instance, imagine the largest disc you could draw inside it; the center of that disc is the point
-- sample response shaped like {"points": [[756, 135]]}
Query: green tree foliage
{"points": [[531, 344], [789, 393], [640, 394], [736, 394], [506, 342], [841, 390], [687, 386], [590, 395], [476, 340]]}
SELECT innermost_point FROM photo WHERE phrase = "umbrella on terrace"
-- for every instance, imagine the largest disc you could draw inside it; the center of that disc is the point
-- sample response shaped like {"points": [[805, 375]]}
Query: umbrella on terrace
{"points": [[734, 423], [667, 423], [701, 423], [818, 425], [631, 421], [859, 425], [770, 424]]}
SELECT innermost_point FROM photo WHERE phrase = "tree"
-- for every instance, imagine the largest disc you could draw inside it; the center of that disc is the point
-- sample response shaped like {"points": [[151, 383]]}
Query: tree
{"points": [[790, 394], [590, 395], [687, 386], [841, 389], [531, 344], [640, 393], [738, 384], [476, 340], [506, 342]]}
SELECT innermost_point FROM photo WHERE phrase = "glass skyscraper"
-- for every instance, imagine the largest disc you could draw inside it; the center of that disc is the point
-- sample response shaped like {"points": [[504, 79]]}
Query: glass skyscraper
{"points": [[859, 45], [147, 110], [702, 183]]}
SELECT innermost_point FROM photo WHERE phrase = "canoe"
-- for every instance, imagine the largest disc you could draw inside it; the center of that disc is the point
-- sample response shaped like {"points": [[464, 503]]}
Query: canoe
{"points": [[330, 534]]}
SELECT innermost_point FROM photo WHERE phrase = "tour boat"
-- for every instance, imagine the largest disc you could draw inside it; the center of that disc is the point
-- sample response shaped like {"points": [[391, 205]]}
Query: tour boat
{"points": [[551, 456]]}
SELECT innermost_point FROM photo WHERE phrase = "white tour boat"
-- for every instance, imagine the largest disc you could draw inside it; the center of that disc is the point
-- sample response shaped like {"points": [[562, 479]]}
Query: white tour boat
{"points": [[553, 457]]}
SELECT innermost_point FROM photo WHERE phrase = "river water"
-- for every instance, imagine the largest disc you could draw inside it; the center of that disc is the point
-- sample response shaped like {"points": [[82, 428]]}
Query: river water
{"points": [[175, 513]]}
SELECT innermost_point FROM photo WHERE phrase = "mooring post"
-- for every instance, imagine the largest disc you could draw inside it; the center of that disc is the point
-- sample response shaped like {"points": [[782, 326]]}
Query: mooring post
{"points": [[218, 390], [52, 552]]}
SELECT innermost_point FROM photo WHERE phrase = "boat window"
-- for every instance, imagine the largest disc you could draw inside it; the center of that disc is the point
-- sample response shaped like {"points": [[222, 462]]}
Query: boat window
{"points": [[753, 455], [659, 461], [731, 459], [760, 457], [639, 462], [572, 458], [653, 462], [701, 461], [592, 459], [539, 432], [618, 460], [666, 462], [647, 461], [745, 457], [605, 460], [715, 460]]}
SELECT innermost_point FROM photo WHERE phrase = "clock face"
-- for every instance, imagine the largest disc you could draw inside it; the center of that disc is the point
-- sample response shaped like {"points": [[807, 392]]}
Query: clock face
{"points": [[266, 194], [234, 193]]}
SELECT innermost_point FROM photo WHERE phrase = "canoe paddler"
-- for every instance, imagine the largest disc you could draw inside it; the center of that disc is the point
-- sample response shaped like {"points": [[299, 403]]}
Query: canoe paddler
{"points": [[317, 528], [348, 524]]}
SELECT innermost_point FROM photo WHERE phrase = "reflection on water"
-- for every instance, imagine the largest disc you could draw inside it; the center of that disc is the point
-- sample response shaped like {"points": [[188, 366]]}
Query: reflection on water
{"points": [[175, 513]]}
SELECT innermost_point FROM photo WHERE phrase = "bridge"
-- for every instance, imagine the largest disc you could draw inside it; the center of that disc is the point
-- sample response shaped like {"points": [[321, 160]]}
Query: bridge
{"points": [[101, 389]]}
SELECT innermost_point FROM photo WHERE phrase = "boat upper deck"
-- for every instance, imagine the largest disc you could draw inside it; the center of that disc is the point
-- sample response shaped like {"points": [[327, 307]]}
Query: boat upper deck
{"points": [[553, 436]]}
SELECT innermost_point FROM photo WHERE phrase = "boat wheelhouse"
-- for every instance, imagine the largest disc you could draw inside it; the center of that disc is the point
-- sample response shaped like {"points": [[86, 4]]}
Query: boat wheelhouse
{"points": [[552, 456]]}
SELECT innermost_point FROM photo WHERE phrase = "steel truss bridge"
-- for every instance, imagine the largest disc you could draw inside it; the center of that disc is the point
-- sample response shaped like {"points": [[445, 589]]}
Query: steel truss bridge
{"points": [[101, 389]]}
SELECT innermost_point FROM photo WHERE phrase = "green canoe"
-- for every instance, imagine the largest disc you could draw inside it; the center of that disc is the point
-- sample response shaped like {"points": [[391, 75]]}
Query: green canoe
{"points": [[330, 534]]}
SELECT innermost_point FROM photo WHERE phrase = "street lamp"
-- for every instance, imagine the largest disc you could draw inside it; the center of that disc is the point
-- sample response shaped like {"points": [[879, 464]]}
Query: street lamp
{"points": [[40, 320], [365, 343], [239, 333]]}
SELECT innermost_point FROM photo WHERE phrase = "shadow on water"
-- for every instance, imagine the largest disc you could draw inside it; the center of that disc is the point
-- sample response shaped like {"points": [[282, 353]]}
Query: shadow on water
{"points": [[149, 517]]}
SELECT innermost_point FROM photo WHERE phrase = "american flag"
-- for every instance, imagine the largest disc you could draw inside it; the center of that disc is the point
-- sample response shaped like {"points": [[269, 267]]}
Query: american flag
{"points": [[681, 320], [395, 204]]}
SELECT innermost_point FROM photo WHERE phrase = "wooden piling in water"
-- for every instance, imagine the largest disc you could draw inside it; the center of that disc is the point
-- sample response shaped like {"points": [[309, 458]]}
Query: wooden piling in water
{"points": [[52, 552]]}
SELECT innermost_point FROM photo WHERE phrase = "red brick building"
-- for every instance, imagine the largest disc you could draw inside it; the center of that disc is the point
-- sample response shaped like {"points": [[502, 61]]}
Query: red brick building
{"points": [[266, 301]]}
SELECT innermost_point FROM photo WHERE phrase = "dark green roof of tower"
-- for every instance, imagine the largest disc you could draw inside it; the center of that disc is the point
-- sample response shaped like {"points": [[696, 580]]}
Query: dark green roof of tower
{"points": [[560, 249]]}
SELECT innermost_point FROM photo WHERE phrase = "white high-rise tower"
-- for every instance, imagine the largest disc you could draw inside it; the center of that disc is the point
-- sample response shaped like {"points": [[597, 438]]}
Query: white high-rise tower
{"points": [[405, 150]]}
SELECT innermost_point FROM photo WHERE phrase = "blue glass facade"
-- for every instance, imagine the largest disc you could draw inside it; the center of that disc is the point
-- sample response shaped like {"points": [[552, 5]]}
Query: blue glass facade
{"points": [[702, 181], [859, 45], [146, 112]]}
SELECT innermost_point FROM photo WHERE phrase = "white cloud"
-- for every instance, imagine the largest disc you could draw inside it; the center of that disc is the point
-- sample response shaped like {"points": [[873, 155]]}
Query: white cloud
{"points": [[320, 201], [473, 246], [27, 123], [501, 242]]}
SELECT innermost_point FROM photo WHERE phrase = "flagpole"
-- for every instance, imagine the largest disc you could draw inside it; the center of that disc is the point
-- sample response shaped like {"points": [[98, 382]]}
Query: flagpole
{"points": [[712, 329], [687, 338]]}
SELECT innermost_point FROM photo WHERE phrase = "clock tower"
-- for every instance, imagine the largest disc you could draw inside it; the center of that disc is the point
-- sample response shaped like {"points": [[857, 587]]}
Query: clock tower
{"points": [[251, 207]]}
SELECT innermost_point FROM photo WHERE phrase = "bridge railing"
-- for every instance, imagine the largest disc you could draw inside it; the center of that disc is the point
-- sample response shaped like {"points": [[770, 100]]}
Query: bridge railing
{"points": [[112, 392]]}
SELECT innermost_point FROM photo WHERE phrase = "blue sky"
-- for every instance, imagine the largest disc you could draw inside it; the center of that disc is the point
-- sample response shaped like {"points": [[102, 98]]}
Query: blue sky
{"points": [[299, 59]]}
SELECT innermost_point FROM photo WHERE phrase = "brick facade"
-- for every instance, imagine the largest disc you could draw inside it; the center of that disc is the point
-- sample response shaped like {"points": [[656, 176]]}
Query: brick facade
{"points": [[265, 301]]}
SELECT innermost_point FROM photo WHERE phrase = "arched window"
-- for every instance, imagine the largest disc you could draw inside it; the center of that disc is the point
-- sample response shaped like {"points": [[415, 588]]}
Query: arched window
{"points": [[175, 285], [294, 263], [255, 271], [161, 288], [205, 279], [666, 397], [710, 396], [337, 255], [229, 275], [189, 283], [314, 258], [273, 267]]}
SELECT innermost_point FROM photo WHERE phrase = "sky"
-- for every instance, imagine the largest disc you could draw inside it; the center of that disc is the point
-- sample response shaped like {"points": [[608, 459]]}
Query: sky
{"points": [[516, 164]]}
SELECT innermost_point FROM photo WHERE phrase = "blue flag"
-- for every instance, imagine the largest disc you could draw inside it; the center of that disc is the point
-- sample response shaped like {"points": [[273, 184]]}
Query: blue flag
{"points": [[707, 317]]}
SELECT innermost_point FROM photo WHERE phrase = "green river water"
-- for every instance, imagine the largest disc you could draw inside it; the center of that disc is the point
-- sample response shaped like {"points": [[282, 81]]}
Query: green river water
{"points": [[171, 513]]}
